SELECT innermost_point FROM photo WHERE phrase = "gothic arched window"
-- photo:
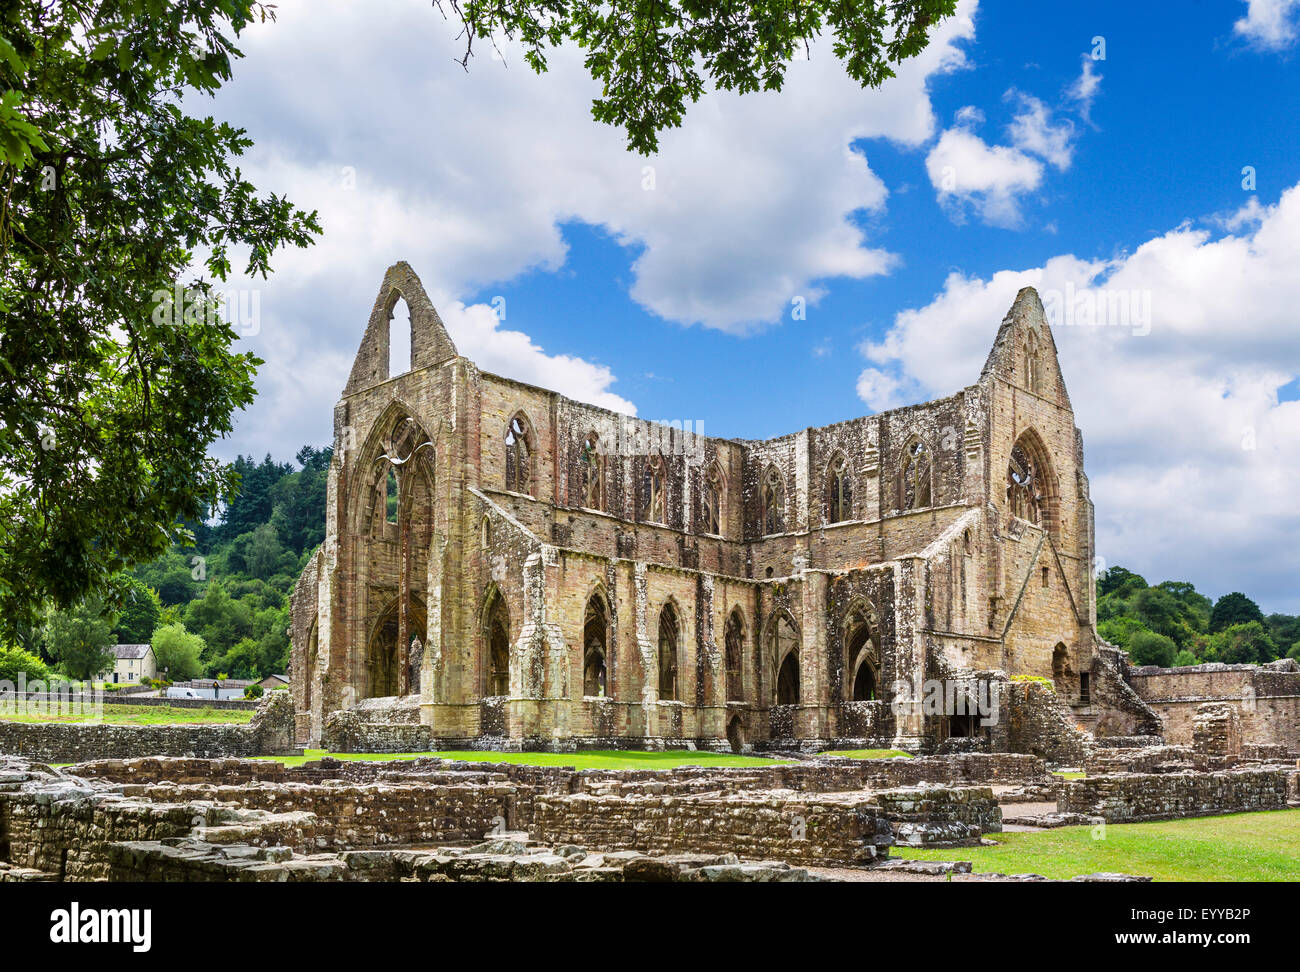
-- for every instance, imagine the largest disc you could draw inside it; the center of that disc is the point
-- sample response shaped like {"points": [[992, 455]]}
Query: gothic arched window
{"points": [[654, 491], [1023, 488], [734, 639], [591, 470], [668, 654], [595, 635], [519, 458], [915, 478], [839, 491], [785, 652], [773, 503], [711, 501]]}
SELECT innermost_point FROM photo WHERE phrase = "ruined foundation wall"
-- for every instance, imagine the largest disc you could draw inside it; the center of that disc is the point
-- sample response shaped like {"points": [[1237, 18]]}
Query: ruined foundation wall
{"points": [[1129, 797]]}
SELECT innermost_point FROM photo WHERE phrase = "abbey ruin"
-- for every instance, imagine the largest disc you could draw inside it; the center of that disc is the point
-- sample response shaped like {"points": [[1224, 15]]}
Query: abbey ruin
{"points": [[504, 564]]}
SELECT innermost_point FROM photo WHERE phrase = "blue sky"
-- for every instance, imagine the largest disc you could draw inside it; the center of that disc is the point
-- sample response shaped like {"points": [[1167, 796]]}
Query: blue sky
{"points": [[906, 218]]}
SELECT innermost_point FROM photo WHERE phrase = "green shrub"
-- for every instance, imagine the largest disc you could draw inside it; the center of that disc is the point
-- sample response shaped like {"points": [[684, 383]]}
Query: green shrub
{"points": [[15, 660], [1151, 648], [252, 691]]}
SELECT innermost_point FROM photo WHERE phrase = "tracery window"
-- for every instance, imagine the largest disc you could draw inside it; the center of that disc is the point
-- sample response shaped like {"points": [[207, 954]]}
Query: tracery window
{"points": [[711, 501], [519, 459], [591, 467], [916, 493], [839, 492], [654, 491], [1023, 487], [773, 503], [668, 654]]}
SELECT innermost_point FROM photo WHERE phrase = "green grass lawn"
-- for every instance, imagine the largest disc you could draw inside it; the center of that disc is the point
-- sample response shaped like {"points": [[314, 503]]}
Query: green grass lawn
{"points": [[1233, 847], [146, 715], [866, 753], [596, 759]]}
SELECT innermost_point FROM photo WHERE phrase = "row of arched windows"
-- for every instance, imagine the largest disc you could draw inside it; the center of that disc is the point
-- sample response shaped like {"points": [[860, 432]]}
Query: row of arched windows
{"points": [[861, 672], [915, 483]]}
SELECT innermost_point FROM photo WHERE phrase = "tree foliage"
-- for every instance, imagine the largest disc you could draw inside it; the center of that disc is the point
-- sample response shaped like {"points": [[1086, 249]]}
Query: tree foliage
{"points": [[110, 196], [653, 59], [177, 652], [1231, 630], [80, 639]]}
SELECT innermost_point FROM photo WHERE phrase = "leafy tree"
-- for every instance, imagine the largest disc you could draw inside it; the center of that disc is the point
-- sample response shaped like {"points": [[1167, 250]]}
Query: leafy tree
{"points": [[1232, 609], [1248, 643], [16, 661], [1184, 658], [139, 615], [1119, 631], [80, 638], [178, 652], [112, 389], [653, 58], [219, 619], [1151, 648], [1119, 581], [264, 551]]}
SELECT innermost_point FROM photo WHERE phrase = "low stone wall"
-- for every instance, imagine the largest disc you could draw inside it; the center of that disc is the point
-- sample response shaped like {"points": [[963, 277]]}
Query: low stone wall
{"points": [[1129, 797], [1153, 759], [346, 732], [1127, 742], [940, 816], [351, 816], [269, 732], [790, 827], [115, 698]]}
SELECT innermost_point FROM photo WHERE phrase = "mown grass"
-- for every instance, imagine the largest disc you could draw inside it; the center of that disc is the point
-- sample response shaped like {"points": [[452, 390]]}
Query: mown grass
{"points": [[1233, 847], [142, 715], [596, 759]]}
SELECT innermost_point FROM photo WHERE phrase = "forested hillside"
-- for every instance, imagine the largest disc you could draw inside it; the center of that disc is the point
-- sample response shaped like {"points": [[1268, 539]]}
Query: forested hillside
{"points": [[221, 606]]}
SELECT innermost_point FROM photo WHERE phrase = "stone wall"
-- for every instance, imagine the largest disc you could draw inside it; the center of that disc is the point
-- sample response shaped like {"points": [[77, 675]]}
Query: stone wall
{"points": [[1129, 797], [1266, 698], [269, 732], [790, 827]]}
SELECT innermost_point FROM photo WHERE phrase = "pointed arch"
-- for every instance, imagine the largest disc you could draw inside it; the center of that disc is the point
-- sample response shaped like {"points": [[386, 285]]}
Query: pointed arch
{"points": [[839, 489], [519, 444], [654, 490], [915, 474], [734, 655], [397, 445], [773, 495], [595, 645], [384, 656], [670, 638], [783, 649], [497, 641], [1033, 362], [713, 490], [591, 473], [1031, 488], [860, 635]]}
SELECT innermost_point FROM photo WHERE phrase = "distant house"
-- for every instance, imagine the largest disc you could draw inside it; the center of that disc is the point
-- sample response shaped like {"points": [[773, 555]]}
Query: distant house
{"points": [[131, 664], [273, 682]]}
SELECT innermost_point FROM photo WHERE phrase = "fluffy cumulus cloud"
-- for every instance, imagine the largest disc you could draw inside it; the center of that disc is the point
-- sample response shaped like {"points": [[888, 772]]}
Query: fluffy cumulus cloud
{"points": [[470, 176], [1270, 24], [1174, 356], [992, 181]]}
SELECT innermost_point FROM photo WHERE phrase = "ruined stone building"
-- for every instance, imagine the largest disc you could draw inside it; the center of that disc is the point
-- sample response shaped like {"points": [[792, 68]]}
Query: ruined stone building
{"points": [[503, 563]]}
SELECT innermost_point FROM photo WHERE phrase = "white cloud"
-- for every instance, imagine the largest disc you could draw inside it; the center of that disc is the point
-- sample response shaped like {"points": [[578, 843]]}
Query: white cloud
{"points": [[1033, 130], [1084, 90], [470, 177], [1269, 24], [968, 172], [1168, 418]]}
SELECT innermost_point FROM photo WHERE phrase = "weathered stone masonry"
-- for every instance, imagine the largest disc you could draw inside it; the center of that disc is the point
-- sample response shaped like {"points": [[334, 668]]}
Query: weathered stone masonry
{"points": [[555, 575]]}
